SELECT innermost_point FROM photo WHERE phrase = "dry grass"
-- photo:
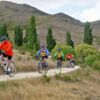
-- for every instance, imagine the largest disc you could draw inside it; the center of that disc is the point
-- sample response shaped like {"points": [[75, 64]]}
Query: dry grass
{"points": [[87, 88]]}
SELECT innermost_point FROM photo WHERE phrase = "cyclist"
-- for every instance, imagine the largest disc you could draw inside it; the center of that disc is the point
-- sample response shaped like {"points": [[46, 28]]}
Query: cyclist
{"points": [[43, 52], [6, 49], [70, 57], [59, 55]]}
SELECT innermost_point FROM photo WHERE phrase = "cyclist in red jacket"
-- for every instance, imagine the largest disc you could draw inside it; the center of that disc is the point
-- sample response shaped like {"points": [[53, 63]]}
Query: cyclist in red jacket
{"points": [[6, 49]]}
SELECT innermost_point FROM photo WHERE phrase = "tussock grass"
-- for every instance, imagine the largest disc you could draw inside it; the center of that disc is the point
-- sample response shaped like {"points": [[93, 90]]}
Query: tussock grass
{"points": [[40, 89]]}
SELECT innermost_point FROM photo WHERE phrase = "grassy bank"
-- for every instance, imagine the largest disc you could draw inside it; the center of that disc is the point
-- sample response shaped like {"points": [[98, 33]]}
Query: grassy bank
{"points": [[83, 84]]}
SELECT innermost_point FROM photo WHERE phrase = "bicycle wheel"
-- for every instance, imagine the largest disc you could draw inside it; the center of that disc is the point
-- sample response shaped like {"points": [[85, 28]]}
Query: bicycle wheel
{"points": [[72, 64], [68, 64], [59, 64], [40, 67], [12, 70], [45, 67]]}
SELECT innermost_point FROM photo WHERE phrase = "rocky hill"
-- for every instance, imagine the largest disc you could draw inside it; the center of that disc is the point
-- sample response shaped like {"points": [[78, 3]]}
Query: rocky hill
{"points": [[12, 14]]}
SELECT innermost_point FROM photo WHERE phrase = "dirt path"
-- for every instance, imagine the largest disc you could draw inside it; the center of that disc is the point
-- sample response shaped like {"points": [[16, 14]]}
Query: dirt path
{"points": [[51, 72]]}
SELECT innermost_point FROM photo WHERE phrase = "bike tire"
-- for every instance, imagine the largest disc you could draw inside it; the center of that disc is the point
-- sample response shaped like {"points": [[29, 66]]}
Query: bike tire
{"points": [[72, 64], [59, 64], [40, 67], [12, 67], [45, 68]]}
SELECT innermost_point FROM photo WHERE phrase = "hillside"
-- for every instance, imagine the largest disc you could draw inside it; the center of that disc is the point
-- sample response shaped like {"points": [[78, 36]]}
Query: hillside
{"points": [[12, 14], [17, 13]]}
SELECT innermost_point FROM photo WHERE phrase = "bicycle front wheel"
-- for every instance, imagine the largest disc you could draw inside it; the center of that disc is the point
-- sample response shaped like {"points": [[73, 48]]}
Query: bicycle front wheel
{"points": [[40, 67], [12, 67], [45, 67], [59, 64]]}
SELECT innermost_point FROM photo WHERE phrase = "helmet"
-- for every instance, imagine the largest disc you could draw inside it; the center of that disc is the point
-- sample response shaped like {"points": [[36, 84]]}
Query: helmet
{"points": [[42, 46], [3, 38], [59, 49]]}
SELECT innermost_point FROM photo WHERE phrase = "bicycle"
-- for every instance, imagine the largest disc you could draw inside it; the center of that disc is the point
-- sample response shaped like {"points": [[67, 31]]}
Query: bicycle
{"points": [[43, 66], [11, 69], [71, 63], [59, 64]]}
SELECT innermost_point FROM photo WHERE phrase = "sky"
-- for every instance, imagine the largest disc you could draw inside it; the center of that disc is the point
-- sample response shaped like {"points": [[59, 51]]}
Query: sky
{"points": [[83, 10]]}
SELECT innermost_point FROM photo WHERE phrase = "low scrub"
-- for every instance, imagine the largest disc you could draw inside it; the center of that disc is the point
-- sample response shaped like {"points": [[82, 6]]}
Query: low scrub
{"points": [[83, 51], [96, 65], [93, 61]]}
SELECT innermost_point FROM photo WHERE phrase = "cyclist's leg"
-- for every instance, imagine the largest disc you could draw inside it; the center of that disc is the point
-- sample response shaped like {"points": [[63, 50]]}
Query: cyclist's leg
{"points": [[45, 65], [40, 65], [9, 61], [44, 61], [59, 63], [2, 55]]}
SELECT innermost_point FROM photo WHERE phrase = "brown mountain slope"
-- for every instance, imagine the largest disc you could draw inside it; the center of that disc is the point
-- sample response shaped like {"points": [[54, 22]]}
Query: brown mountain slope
{"points": [[17, 13], [13, 14]]}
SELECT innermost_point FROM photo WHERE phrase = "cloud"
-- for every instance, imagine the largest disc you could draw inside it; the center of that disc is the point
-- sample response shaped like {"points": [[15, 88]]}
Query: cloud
{"points": [[48, 5], [89, 14]]}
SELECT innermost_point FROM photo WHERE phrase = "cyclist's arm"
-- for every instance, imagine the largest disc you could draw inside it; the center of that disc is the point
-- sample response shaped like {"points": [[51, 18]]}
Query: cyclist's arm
{"points": [[38, 53], [47, 52]]}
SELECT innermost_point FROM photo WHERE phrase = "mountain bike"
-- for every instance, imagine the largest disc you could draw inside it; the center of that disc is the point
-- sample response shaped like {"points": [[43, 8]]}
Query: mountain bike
{"points": [[43, 66], [8, 69], [70, 63], [59, 64]]}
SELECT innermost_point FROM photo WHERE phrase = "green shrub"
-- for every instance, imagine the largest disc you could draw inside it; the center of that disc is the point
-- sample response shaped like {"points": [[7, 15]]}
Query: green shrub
{"points": [[84, 50], [96, 65], [90, 59], [93, 61], [65, 49]]}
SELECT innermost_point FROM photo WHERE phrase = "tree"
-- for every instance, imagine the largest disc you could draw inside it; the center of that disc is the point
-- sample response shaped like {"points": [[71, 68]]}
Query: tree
{"points": [[69, 41], [25, 40], [3, 30], [37, 45], [88, 37], [50, 41], [32, 34], [18, 36]]}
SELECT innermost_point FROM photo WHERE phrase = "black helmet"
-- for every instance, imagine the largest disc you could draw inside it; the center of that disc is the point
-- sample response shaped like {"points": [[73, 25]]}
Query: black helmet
{"points": [[42, 46], [3, 38]]}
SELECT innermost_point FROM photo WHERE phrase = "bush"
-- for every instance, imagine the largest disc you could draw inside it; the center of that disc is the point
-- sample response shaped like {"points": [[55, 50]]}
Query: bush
{"points": [[84, 50], [90, 59], [96, 65], [65, 49], [93, 61]]}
